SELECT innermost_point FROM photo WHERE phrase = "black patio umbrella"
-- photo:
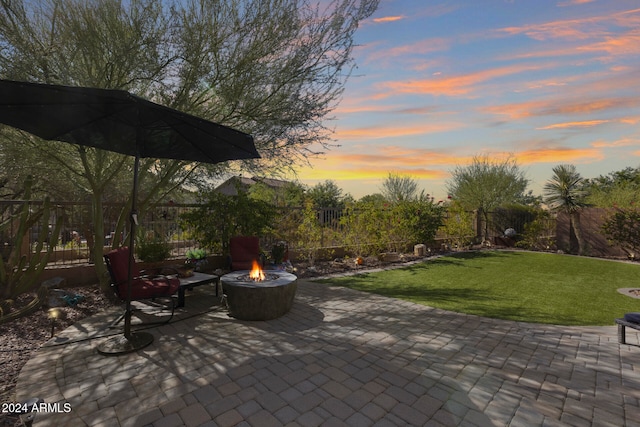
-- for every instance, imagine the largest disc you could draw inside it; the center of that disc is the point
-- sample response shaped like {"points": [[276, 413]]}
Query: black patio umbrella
{"points": [[116, 120]]}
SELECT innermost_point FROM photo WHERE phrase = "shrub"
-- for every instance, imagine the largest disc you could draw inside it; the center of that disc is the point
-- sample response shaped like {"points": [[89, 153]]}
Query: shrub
{"points": [[196, 254], [20, 272], [221, 217], [307, 237], [535, 233], [413, 221], [151, 247], [361, 222], [623, 227], [458, 226]]}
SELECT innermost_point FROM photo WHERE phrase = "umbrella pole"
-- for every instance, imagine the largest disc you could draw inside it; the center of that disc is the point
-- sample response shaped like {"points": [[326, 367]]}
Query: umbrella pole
{"points": [[129, 342], [133, 222]]}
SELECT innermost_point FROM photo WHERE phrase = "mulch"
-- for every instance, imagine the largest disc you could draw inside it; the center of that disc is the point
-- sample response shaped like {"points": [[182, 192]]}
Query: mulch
{"points": [[21, 338]]}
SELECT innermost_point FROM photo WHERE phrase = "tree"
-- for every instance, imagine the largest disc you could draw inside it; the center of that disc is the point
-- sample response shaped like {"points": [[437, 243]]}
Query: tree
{"points": [[398, 188], [290, 194], [617, 189], [271, 68], [565, 192], [486, 184], [375, 199], [326, 194]]}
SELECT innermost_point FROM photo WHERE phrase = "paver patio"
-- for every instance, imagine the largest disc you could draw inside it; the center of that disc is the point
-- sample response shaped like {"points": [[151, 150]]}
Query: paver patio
{"points": [[340, 357]]}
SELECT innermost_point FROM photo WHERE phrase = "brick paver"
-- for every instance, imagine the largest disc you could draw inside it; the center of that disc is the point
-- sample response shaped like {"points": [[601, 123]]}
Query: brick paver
{"points": [[340, 357]]}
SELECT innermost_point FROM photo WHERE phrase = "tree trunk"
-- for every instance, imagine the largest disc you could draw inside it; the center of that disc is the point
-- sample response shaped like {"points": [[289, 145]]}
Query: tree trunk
{"points": [[574, 218], [98, 242]]}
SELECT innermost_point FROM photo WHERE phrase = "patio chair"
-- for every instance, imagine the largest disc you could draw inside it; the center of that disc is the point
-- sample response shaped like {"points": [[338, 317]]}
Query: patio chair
{"points": [[145, 285], [243, 251]]}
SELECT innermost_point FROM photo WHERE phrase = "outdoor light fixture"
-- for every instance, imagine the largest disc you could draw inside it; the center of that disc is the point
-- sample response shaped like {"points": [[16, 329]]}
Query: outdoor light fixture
{"points": [[55, 314]]}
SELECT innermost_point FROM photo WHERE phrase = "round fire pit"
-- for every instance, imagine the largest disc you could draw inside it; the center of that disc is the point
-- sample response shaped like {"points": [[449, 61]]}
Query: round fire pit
{"points": [[263, 300]]}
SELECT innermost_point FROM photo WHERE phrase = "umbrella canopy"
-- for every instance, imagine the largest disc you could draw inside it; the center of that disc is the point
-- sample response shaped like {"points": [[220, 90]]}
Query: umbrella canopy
{"points": [[118, 121]]}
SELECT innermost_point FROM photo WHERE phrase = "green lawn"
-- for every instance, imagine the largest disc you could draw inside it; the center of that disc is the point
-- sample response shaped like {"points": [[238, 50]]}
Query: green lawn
{"points": [[523, 286]]}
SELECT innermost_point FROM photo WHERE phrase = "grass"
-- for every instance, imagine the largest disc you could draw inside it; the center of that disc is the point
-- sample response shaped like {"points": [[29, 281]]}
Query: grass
{"points": [[521, 286]]}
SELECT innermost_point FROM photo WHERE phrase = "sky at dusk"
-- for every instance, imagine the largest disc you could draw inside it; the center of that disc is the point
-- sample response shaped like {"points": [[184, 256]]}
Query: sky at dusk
{"points": [[438, 82]]}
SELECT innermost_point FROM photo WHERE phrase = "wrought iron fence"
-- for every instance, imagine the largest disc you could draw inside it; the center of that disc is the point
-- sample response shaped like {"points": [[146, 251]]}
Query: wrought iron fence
{"points": [[76, 237]]}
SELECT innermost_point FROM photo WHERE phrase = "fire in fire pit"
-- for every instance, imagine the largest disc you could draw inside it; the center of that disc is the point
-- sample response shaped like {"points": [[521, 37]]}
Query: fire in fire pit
{"points": [[267, 296], [257, 275]]}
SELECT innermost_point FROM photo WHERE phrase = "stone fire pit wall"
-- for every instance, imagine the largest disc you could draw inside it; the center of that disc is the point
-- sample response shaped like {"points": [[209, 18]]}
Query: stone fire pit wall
{"points": [[270, 299]]}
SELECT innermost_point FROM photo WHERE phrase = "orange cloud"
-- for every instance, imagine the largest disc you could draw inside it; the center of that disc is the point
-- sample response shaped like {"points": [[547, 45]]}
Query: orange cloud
{"points": [[422, 163], [377, 132], [556, 155], [394, 155], [418, 48], [581, 124], [378, 161], [355, 105], [456, 85], [362, 107], [321, 173], [596, 28], [556, 107], [624, 44], [551, 30], [388, 19], [624, 142], [630, 120]]}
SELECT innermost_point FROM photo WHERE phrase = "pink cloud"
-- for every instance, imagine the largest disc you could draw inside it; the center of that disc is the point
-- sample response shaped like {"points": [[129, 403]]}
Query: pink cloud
{"points": [[574, 2]]}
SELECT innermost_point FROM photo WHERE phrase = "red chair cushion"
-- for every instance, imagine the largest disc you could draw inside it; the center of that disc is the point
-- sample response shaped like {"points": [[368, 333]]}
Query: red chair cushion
{"points": [[144, 288], [244, 250], [119, 262]]}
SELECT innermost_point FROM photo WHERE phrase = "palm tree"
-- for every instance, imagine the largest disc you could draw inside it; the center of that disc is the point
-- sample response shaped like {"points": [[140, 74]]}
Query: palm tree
{"points": [[565, 192]]}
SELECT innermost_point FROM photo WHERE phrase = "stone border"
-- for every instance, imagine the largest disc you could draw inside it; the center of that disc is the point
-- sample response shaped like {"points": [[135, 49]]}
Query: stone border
{"points": [[628, 292]]}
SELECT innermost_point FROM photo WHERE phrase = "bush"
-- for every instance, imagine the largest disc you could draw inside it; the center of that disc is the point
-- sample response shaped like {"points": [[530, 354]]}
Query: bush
{"points": [[221, 217], [535, 234], [415, 221], [623, 227], [151, 247], [458, 226], [361, 222], [307, 237]]}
